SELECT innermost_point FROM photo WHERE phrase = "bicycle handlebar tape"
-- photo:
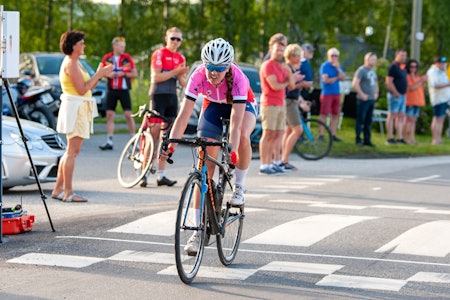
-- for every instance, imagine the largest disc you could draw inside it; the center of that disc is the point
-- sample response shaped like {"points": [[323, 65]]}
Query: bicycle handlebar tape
{"points": [[233, 156]]}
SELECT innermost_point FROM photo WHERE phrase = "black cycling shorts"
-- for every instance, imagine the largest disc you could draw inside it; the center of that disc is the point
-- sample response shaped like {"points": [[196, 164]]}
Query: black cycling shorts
{"points": [[165, 104], [113, 95]]}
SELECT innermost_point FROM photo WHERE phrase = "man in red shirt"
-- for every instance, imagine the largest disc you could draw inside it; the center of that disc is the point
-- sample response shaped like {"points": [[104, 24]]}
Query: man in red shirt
{"points": [[119, 85], [167, 68]]}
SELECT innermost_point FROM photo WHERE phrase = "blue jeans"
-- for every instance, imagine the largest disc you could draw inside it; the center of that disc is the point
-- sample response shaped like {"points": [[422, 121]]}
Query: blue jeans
{"points": [[364, 111]]}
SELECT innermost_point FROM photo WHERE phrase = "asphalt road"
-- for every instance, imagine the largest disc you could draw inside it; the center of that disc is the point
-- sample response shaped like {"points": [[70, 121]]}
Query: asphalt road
{"points": [[335, 229]]}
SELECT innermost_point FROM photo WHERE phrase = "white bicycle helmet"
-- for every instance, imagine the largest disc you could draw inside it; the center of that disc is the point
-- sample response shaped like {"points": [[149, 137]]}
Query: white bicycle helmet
{"points": [[218, 52]]}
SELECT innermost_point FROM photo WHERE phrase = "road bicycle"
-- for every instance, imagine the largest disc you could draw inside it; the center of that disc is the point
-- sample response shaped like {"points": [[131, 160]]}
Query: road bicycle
{"points": [[216, 216], [134, 165], [315, 142]]}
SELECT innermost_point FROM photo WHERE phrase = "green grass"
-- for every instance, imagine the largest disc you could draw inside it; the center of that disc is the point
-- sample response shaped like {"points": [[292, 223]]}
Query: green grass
{"points": [[347, 148]]}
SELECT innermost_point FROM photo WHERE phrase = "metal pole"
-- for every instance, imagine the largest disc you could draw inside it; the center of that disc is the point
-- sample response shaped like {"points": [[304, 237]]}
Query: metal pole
{"points": [[388, 30], [416, 28]]}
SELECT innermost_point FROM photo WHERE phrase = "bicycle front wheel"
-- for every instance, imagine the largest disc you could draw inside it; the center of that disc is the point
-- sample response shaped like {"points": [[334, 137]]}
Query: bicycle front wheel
{"points": [[228, 242], [188, 256], [315, 142], [131, 169]]}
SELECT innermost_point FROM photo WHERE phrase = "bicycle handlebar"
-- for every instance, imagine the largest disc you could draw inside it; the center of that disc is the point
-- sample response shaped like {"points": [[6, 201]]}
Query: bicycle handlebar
{"points": [[153, 113]]}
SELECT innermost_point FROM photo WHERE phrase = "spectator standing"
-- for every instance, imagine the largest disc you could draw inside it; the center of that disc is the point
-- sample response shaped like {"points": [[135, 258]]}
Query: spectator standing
{"points": [[78, 108], [397, 85], [365, 83], [438, 85], [331, 73], [292, 57], [119, 85], [275, 77], [306, 69], [167, 68], [276, 38], [415, 98]]}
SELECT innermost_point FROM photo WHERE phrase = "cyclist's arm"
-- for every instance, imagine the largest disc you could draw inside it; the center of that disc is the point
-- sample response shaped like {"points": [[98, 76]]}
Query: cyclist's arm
{"points": [[236, 117]]}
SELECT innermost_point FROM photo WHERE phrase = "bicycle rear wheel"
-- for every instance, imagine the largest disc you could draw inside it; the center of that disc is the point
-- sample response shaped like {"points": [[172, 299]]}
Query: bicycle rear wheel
{"points": [[187, 266], [228, 243], [130, 170], [312, 145]]}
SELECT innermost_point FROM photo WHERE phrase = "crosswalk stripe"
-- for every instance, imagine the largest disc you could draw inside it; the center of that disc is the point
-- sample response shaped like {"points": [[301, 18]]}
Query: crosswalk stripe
{"points": [[359, 282], [424, 178], [398, 207], [430, 277], [215, 272], [426, 239], [157, 224], [295, 267], [433, 211], [57, 260], [147, 257], [341, 206], [306, 231]]}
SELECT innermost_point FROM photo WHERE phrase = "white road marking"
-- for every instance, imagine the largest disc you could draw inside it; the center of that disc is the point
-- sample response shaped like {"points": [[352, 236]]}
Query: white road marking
{"points": [[398, 207], [429, 239], [147, 257], [57, 260], [424, 178], [231, 272], [306, 179], [158, 224], [276, 187], [341, 206], [430, 277], [359, 282], [433, 211], [376, 188], [162, 224], [295, 201], [306, 231], [298, 267]]}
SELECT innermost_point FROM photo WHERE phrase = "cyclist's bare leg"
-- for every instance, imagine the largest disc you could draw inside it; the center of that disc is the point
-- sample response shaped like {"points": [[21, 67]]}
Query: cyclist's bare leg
{"points": [[161, 163], [130, 122], [293, 134], [245, 147], [155, 130]]}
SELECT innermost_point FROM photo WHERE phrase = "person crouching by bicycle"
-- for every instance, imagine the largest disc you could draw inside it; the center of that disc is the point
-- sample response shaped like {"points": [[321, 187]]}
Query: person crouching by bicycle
{"points": [[226, 93]]}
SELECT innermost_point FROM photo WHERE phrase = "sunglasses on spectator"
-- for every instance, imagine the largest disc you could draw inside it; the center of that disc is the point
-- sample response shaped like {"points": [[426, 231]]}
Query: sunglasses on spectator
{"points": [[218, 69], [174, 38], [334, 55], [413, 66]]}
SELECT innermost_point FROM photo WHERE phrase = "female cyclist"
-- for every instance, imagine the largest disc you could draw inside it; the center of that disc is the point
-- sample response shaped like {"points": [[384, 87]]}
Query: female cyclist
{"points": [[226, 93]]}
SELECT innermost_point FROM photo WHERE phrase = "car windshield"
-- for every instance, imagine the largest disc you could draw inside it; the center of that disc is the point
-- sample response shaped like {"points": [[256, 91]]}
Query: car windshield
{"points": [[50, 65]]}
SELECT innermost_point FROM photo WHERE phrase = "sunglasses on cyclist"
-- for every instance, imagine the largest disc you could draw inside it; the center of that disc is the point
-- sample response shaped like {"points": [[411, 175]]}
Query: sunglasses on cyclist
{"points": [[174, 38], [218, 69]]}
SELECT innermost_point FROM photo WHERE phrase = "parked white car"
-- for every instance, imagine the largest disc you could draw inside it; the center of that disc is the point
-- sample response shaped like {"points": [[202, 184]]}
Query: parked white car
{"points": [[46, 149]]}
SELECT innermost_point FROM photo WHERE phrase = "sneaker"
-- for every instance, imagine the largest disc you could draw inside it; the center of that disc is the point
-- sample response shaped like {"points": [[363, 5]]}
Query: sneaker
{"points": [[238, 195], [321, 138], [193, 244], [288, 167], [336, 139], [277, 168], [359, 143], [369, 144], [268, 171], [391, 141], [106, 146], [401, 141], [165, 181]]}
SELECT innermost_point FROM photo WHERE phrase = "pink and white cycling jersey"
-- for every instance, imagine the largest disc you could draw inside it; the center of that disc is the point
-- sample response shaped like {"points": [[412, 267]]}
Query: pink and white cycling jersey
{"points": [[199, 86]]}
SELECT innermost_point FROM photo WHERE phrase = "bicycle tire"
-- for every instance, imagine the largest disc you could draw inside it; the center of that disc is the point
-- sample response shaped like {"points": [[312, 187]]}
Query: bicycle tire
{"points": [[187, 267], [228, 242], [129, 169], [310, 146]]}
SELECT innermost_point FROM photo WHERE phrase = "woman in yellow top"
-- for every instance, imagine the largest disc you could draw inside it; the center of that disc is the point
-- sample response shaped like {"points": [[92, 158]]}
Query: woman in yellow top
{"points": [[77, 110]]}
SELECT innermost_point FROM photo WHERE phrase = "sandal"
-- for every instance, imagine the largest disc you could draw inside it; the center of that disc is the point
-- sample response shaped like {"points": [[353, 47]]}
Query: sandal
{"points": [[75, 198], [59, 196]]}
